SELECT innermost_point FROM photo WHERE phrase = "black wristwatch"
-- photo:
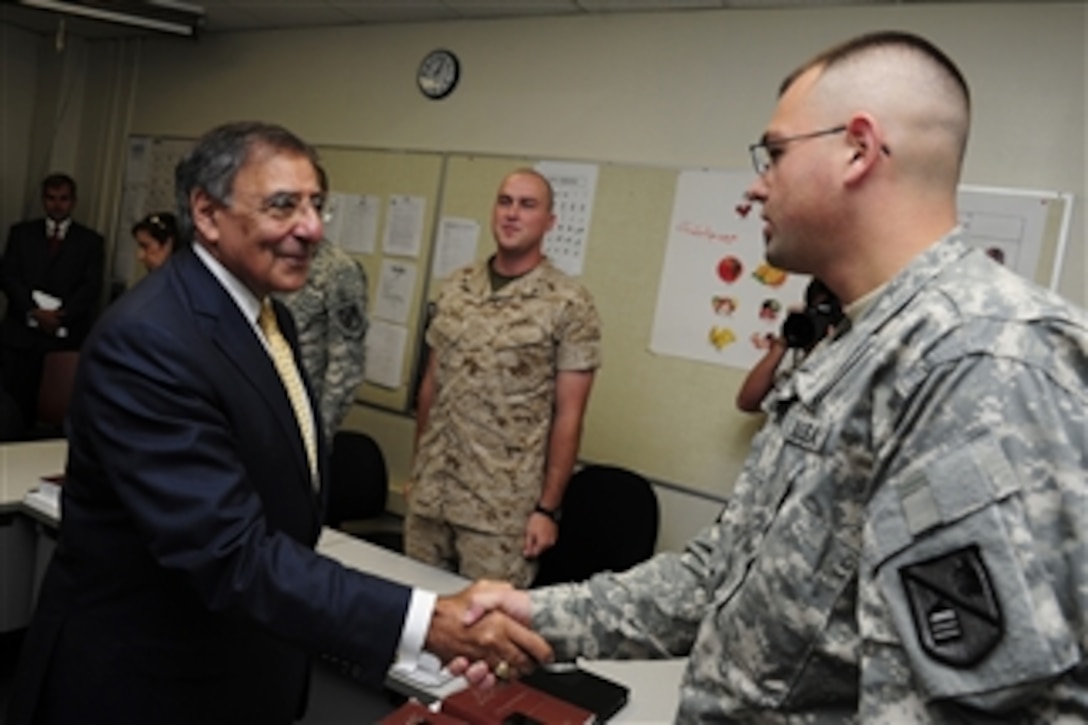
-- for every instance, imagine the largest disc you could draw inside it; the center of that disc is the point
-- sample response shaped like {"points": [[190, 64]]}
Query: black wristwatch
{"points": [[553, 514]]}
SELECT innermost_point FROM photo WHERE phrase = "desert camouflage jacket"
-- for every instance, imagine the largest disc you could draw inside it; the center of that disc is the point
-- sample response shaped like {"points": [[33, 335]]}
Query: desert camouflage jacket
{"points": [[481, 460]]}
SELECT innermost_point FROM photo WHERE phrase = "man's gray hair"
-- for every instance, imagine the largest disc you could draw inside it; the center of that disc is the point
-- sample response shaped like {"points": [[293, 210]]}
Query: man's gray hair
{"points": [[215, 160]]}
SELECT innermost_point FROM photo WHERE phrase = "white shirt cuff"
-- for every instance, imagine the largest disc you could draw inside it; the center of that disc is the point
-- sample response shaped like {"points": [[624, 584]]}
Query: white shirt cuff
{"points": [[416, 624]]}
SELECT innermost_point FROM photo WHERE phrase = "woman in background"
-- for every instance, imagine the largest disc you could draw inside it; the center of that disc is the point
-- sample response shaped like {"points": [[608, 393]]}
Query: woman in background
{"points": [[802, 331], [156, 239]]}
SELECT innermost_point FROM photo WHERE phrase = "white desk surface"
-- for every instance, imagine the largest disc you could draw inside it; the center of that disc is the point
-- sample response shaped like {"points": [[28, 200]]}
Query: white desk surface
{"points": [[654, 684], [655, 687], [22, 466], [359, 554]]}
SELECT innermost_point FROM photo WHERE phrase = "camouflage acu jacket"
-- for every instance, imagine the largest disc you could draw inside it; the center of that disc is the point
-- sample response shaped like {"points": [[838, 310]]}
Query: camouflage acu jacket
{"points": [[908, 540], [330, 313]]}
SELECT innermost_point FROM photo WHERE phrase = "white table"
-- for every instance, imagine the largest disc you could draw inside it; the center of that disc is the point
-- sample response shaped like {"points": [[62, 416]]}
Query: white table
{"points": [[22, 466], [655, 687], [360, 554]]}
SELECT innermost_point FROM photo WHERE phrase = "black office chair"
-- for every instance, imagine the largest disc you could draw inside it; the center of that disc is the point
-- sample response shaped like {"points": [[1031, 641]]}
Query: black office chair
{"points": [[358, 489], [54, 394], [11, 418], [609, 523]]}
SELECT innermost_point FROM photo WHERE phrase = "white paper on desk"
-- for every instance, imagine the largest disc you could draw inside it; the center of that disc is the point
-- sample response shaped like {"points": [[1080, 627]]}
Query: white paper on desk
{"points": [[428, 671], [48, 488], [409, 681], [45, 498]]}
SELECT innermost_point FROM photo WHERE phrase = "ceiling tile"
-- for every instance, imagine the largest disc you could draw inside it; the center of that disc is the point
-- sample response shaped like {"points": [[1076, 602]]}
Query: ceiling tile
{"points": [[233, 15], [767, 4], [627, 6], [392, 11], [227, 15], [512, 8]]}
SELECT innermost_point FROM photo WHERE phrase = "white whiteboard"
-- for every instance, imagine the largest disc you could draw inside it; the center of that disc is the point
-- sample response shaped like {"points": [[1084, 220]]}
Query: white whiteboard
{"points": [[1024, 229], [718, 299]]}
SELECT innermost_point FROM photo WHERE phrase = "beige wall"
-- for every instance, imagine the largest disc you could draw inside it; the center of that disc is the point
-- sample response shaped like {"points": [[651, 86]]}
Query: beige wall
{"points": [[679, 89]]}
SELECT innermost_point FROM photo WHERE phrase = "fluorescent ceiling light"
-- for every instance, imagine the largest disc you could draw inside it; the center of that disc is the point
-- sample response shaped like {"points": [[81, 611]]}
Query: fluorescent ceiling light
{"points": [[165, 16]]}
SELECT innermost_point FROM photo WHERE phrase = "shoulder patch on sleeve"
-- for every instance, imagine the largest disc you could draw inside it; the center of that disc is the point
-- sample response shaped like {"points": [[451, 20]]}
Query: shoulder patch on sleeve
{"points": [[350, 319], [955, 609]]}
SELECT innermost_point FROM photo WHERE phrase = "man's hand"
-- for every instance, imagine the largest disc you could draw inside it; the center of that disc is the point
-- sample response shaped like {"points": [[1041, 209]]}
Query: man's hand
{"points": [[468, 628], [540, 534], [48, 320], [488, 596]]}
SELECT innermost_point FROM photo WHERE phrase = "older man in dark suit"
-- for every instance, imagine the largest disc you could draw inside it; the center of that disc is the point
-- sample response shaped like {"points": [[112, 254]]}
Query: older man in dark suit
{"points": [[52, 276], [185, 587]]}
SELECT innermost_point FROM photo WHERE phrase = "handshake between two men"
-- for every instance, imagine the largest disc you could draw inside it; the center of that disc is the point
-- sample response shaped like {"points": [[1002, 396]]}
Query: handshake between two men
{"points": [[483, 633]]}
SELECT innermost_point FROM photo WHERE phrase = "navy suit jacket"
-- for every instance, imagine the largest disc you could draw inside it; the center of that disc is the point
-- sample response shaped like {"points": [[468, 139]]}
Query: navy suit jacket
{"points": [[74, 275], [185, 587]]}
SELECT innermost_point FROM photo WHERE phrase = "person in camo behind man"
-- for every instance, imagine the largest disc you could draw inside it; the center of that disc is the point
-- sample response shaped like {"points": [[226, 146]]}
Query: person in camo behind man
{"points": [[330, 314], [515, 344]]}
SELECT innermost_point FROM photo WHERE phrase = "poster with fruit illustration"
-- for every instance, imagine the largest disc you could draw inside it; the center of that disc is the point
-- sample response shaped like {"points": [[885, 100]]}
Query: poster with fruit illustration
{"points": [[718, 299]]}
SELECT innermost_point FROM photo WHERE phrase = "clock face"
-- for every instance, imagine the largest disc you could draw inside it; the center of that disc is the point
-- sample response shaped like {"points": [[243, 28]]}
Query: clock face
{"points": [[438, 74]]}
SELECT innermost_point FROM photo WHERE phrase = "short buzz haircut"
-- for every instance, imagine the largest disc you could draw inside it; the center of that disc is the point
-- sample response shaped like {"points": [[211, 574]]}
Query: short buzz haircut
{"points": [[875, 62], [849, 49], [548, 190], [54, 181], [219, 154]]}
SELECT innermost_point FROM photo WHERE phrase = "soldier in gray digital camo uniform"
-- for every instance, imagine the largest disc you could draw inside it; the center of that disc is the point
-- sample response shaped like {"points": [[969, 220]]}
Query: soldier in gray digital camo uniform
{"points": [[514, 347], [330, 313], [908, 541]]}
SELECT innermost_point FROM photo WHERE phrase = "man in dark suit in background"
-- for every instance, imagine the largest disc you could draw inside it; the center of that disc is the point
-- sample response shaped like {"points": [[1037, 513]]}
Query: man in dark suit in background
{"points": [[185, 587], [52, 276]]}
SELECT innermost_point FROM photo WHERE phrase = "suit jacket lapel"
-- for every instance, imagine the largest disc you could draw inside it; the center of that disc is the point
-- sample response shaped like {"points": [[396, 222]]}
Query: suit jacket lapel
{"points": [[233, 334]]}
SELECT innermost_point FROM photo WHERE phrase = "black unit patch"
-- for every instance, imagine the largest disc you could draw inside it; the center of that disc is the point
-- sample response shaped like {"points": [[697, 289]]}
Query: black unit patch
{"points": [[349, 318], [956, 612]]}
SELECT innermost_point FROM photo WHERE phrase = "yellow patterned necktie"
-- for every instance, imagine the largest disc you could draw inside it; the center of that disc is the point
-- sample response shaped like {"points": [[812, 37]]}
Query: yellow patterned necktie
{"points": [[284, 361]]}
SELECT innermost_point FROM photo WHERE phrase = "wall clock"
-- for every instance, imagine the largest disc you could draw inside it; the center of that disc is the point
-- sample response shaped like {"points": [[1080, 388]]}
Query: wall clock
{"points": [[438, 74]]}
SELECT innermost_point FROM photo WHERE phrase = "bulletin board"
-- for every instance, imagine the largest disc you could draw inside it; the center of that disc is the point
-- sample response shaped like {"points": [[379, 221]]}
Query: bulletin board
{"points": [[1025, 229]]}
